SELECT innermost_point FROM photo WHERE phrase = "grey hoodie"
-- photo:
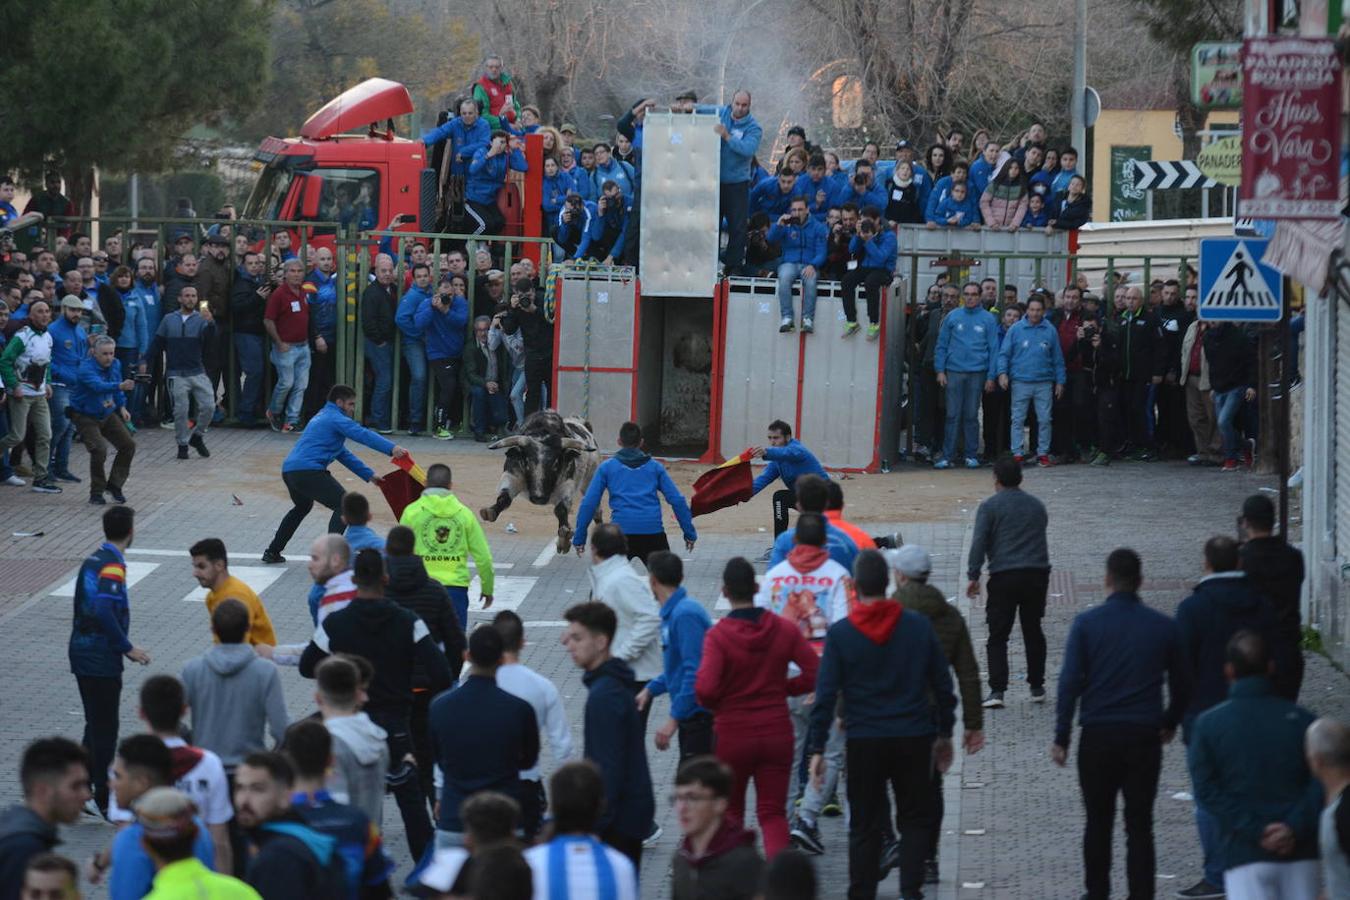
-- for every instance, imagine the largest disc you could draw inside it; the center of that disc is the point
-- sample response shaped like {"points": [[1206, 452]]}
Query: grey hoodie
{"points": [[23, 835], [361, 759], [233, 694]]}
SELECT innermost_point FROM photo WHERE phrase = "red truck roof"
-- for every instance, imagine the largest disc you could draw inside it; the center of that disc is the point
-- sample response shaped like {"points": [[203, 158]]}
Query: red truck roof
{"points": [[373, 100]]}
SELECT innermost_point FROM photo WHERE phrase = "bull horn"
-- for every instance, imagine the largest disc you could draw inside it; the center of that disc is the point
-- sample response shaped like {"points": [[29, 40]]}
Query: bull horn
{"points": [[514, 440], [578, 445]]}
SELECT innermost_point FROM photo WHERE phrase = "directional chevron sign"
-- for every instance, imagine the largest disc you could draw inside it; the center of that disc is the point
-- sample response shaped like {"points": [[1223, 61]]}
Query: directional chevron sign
{"points": [[1161, 176]]}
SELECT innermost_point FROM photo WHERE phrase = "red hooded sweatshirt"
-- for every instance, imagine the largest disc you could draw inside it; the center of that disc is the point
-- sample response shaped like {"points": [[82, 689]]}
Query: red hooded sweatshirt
{"points": [[743, 678]]}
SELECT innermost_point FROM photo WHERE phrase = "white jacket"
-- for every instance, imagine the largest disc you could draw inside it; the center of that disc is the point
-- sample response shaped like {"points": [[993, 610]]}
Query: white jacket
{"points": [[617, 584]]}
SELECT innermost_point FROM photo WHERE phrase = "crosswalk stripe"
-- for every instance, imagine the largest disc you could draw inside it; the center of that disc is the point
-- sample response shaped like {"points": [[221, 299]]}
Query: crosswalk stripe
{"points": [[508, 592], [135, 572], [256, 577], [294, 561]]}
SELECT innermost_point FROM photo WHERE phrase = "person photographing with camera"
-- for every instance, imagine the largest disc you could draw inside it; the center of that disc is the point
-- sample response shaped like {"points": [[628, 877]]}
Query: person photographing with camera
{"points": [[609, 226], [803, 242], [442, 317], [572, 231], [525, 317], [873, 265]]}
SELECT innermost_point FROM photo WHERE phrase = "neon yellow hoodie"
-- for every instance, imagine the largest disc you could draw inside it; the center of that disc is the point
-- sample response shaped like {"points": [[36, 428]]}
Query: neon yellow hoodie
{"points": [[447, 534]]}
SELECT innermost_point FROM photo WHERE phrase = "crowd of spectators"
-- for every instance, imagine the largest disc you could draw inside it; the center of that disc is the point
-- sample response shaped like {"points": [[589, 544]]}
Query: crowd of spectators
{"points": [[1078, 376]]}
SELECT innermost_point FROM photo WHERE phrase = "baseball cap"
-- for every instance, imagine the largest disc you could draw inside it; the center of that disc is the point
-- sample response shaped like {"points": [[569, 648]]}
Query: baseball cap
{"points": [[70, 301], [687, 95], [568, 128], [901, 144], [911, 560]]}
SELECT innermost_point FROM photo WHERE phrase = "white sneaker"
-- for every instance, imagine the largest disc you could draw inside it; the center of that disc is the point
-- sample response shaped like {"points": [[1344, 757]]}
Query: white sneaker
{"points": [[808, 326], [786, 325], [14, 481]]}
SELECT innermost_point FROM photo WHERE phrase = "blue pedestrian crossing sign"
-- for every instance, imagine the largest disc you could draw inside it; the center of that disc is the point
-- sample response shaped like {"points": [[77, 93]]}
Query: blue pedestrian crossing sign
{"points": [[1235, 286]]}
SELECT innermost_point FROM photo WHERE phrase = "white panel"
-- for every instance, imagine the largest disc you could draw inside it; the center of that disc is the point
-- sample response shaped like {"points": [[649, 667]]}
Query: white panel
{"points": [[258, 578], [759, 377], [681, 159], [1341, 437], [135, 572], [604, 399], [840, 397], [596, 319]]}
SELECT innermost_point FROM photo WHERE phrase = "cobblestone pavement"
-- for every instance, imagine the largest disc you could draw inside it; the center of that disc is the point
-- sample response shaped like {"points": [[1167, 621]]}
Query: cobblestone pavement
{"points": [[1013, 819]]}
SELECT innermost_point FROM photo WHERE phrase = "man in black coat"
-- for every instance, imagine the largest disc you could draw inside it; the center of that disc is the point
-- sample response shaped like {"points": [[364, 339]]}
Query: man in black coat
{"points": [[379, 301], [1232, 378], [248, 302], [412, 588], [1276, 570], [1143, 362], [527, 316]]}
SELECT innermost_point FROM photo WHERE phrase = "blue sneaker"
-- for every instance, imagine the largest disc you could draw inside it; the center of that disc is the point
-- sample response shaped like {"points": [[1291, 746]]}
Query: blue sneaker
{"points": [[972, 462], [943, 463]]}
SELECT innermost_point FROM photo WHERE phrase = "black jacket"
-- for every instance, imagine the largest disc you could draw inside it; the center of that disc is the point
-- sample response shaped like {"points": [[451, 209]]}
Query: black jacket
{"points": [[246, 304], [411, 588], [23, 835], [475, 364], [394, 639], [1102, 362], [1070, 214], [378, 302], [536, 330], [174, 282], [110, 304], [1276, 569], [1231, 357], [1143, 353], [907, 210]]}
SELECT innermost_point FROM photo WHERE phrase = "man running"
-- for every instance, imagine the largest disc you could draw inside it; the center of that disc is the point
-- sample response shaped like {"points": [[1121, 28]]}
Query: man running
{"points": [[305, 470]]}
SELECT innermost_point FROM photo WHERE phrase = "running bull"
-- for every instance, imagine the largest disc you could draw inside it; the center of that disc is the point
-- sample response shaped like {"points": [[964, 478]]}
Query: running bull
{"points": [[551, 461]]}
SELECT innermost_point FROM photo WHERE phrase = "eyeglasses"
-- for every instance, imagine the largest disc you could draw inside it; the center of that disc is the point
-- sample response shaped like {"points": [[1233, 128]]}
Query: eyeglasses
{"points": [[690, 797]]}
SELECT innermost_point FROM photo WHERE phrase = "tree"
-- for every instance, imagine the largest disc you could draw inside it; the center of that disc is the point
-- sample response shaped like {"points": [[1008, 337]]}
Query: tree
{"points": [[321, 48], [113, 84]]}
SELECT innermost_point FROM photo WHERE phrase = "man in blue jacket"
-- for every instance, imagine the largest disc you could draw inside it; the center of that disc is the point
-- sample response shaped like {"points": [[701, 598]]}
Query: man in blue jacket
{"points": [[99, 410], [607, 234], [636, 483], [773, 195], [803, 241], [487, 175], [1248, 766], [305, 469], [442, 320], [468, 133], [740, 135], [885, 665], [966, 356], [572, 230], [70, 345], [816, 187], [1032, 360], [321, 291], [684, 624], [612, 729], [1114, 663], [413, 345], [877, 247], [788, 459], [98, 641]]}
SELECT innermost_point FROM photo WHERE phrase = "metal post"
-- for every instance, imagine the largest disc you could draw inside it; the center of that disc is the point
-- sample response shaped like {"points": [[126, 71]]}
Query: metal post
{"points": [[1282, 436], [1078, 93], [134, 189]]}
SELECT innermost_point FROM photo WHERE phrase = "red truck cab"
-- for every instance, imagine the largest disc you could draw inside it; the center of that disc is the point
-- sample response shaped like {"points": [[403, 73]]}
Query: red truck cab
{"points": [[348, 166]]}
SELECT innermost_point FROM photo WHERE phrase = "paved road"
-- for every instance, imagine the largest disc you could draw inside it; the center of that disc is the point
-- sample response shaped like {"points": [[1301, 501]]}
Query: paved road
{"points": [[1013, 821]]}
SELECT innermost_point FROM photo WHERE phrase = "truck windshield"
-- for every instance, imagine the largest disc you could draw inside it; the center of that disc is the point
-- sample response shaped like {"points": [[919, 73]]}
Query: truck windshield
{"points": [[269, 192], [350, 197]]}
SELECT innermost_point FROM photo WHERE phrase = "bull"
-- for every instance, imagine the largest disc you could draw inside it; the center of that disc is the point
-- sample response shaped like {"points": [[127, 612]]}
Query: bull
{"points": [[551, 460]]}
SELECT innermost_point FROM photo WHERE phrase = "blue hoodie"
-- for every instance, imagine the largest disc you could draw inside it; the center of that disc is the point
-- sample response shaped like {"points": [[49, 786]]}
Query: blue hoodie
{"points": [[980, 175], [878, 252], [787, 462], [444, 331], [839, 545], [684, 624], [554, 192], [324, 439], [70, 345], [635, 483], [602, 223], [1031, 353], [621, 173], [583, 184], [873, 196], [465, 141], [1061, 181], [147, 295], [942, 190], [807, 188], [968, 342], [806, 244], [322, 304], [405, 317], [765, 197], [133, 871], [575, 237], [97, 391], [488, 174], [968, 210], [739, 147]]}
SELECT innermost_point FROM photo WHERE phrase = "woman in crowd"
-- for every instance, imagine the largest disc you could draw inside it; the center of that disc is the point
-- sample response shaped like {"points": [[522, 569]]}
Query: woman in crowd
{"points": [[1004, 203], [1071, 208]]}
